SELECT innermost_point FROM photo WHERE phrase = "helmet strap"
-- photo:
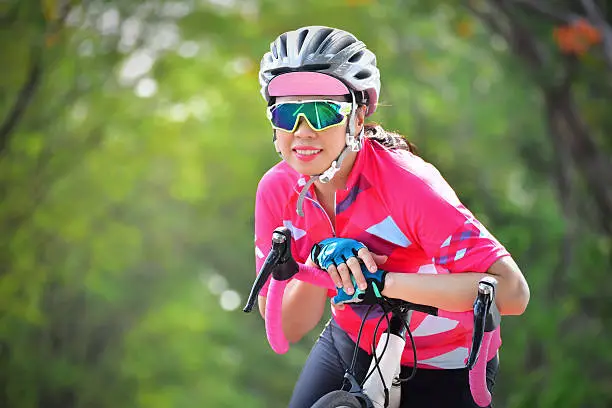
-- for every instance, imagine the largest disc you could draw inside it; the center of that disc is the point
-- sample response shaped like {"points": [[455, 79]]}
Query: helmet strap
{"points": [[354, 143]]}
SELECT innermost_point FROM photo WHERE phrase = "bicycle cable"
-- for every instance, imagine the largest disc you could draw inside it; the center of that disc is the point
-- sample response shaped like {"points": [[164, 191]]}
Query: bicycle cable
{"points": [[384, 316], [376, 359], [414, 356], [355, 351]]}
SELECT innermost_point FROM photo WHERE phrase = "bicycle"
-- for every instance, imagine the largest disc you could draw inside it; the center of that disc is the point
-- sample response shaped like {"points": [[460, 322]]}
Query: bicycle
{"points": [[374, 393]]}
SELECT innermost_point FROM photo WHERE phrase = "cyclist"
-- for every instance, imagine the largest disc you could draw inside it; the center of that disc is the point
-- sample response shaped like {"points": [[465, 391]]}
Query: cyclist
{"points": [[347, 185]]}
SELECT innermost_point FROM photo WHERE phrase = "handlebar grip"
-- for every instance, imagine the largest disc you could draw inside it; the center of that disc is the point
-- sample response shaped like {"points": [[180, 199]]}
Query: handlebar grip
{"points": [[478, 375], [274, 318], [315, 276], [274, 303]]}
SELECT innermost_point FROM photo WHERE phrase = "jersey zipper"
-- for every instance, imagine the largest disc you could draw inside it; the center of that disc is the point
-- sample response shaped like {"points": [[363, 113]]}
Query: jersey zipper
{"points": [[318, 205]]}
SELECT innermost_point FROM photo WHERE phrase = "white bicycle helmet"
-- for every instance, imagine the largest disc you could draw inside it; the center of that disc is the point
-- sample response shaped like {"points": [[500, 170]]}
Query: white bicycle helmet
{"points": [[298, 59]]}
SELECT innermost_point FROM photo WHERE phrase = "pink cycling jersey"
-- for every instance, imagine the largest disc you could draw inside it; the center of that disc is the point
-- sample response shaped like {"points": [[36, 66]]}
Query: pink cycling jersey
{"points": [[397, 205]]}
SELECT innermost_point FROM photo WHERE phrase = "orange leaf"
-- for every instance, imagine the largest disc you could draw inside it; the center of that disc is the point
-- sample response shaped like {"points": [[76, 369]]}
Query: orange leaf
{"points": [[465, 28]]}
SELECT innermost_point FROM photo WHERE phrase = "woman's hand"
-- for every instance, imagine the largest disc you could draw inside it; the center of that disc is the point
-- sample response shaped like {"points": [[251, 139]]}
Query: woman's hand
{"points": [[341, 258], [341, 274]]}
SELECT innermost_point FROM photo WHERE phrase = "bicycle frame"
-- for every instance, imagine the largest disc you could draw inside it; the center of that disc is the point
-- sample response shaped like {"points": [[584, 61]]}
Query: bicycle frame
{"points": [[387, 356], [484, 320]]}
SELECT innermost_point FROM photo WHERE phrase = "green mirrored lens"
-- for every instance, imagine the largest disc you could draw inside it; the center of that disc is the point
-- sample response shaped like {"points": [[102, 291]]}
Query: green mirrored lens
{"points": [[320, 114]]}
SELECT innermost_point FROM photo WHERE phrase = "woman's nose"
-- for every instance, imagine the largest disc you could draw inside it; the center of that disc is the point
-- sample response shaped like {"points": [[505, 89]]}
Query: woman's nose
{"points": [[304, 130]]}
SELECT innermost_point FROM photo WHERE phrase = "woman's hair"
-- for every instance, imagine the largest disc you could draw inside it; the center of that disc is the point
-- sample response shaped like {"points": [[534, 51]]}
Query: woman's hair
{"points": [[374, 131], [390, 140]]}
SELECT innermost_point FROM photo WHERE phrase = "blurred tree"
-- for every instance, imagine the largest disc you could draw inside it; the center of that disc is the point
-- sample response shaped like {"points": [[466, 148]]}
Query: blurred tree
{"points": [[565, 50]]}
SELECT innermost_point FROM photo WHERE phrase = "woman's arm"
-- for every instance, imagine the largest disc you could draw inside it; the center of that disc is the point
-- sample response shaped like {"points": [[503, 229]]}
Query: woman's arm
{"points": [[456, 292], [303, 303], [303, 307]]}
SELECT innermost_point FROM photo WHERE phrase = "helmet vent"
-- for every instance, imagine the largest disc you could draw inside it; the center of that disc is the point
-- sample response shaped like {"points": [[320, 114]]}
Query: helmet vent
{"points": [[283, 46], [316, 67], [356, 57], [323, 39], [309, 67], [363, 74], [301, 39], [341, 44]]}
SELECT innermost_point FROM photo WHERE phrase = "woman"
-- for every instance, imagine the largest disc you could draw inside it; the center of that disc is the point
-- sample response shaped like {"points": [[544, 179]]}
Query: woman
{"points": [[342, 178]]}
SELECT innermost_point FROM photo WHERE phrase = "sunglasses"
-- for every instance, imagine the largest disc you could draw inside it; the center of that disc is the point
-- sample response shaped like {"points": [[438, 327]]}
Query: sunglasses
{"points": [[320, 114]]}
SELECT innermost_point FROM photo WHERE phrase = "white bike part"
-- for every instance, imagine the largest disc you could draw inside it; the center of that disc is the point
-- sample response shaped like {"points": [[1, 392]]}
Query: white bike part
{"points": [[389, 364], [395, 393]]}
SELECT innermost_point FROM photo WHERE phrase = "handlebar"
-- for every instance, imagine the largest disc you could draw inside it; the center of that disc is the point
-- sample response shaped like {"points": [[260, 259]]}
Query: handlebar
{"points": [[279, 248], [484, 319], [281, 274]]}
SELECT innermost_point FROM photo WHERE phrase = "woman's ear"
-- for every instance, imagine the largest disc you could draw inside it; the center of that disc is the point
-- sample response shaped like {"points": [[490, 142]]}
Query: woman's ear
{"points": [[275, 140], [361, 111]]}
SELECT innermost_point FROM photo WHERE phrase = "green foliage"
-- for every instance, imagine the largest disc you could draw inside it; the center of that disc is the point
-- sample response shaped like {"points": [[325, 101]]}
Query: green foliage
{"points": [[127, 190]]}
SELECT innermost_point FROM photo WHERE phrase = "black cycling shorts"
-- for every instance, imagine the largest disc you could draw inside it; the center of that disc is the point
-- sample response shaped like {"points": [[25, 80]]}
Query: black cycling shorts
{"points": [[332, 354]]}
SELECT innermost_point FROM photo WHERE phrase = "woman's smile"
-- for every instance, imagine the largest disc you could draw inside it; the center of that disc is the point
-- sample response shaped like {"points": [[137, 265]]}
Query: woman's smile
{"points": [[306, 153]]}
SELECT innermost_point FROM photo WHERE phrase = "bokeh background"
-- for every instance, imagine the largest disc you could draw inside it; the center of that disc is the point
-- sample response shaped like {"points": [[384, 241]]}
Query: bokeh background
{"points": [[132, 138]]}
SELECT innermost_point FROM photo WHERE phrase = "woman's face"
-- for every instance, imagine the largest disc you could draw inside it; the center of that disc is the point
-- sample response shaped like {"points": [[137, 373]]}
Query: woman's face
{"points": [[308, 151]]}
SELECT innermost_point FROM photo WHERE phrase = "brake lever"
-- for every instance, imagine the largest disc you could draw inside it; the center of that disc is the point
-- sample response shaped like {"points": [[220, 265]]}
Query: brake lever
{"points": [[279, 263], [486, 316], [286, 266]]}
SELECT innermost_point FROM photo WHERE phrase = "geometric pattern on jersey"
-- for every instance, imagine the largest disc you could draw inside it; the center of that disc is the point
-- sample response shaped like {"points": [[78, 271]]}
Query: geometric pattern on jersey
{"points": [[434, 325], [428, 269], [361, 185], [484, 233], [368, 220], [457, 244], [296, 233], [453, 359], [361, 310], [376, 244], [388, 230]]}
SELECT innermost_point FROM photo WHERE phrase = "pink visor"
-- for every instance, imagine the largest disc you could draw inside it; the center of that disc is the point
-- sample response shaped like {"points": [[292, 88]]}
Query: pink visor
{"points": [[306, 83]]}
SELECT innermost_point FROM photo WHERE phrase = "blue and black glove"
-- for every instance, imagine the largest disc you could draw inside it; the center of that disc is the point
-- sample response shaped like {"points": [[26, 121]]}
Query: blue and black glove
{"points": [[371, 295], [334, 251]]}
